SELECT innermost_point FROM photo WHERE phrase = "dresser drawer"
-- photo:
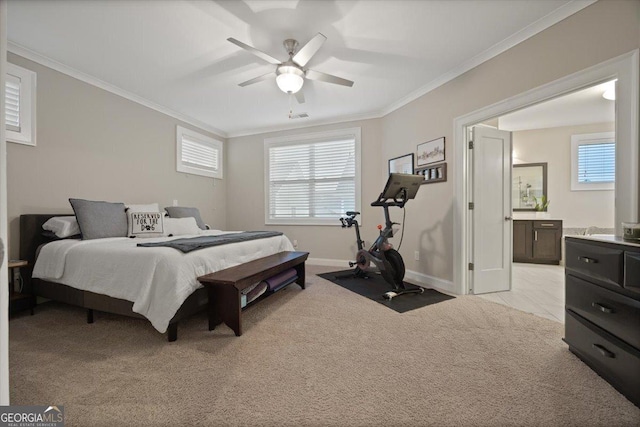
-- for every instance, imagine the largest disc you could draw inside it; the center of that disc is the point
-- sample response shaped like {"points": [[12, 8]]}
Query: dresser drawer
{"points": [[554, 225], [615, 361], [613, 312], [632, 271], [596, 261]]}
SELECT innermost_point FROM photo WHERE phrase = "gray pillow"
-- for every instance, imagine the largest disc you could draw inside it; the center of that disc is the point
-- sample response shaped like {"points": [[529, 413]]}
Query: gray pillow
{"points": [[182, 212], [98, 220]]}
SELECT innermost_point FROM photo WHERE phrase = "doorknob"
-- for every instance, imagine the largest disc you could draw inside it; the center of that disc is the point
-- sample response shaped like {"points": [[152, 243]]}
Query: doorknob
{"points": [[507, 218]]}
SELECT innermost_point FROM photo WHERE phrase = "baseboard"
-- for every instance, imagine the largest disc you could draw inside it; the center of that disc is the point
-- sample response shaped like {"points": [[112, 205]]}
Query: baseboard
{"points": [[431, 282], [415, 277]]}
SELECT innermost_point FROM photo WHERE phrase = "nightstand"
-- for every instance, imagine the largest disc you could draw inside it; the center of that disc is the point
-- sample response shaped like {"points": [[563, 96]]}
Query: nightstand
{"points": [[18, 301]]}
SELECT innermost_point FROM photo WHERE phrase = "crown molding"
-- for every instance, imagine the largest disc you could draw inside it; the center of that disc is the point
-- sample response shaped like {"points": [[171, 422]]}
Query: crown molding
{"points": [[94, 81], [529, 31]]}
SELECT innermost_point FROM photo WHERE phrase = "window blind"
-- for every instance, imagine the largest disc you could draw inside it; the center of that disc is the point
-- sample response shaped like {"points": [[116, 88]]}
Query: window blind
{"points": [[312, 180], [597, 162], [12, 103], [199, 154]]}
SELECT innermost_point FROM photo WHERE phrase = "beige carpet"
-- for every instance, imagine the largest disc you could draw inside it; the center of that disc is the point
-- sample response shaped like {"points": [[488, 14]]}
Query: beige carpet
{"points": [[319, 357]]}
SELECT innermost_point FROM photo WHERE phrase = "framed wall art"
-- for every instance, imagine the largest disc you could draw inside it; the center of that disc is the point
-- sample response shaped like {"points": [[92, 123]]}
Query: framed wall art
{"points": [[431, 152], [402, 164]]}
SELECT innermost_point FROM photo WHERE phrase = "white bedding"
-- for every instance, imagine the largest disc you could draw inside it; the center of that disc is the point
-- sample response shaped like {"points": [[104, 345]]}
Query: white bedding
{"points": [[156, 280]]}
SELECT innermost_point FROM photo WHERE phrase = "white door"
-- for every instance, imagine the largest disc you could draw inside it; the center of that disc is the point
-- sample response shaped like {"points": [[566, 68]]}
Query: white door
{"points": [[491, 215]]}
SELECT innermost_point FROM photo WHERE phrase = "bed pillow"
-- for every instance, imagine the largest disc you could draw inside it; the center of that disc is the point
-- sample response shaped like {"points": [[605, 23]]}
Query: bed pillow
{"points": [[51, 236], [180, 226], [145, 220], [145, 224], [182, 212], [62, 226], [98, 220], [151, 207]]}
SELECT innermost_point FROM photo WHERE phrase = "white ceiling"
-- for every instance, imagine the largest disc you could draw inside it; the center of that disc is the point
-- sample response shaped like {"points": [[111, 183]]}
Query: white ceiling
{"points": [[579, 108], [174, 56]]}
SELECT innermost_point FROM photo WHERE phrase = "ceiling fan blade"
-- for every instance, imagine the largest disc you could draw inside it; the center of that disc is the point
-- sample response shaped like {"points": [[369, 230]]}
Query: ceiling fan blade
{"points": [[260, 54], [308, 50], [299, 97], [323, 77], [257, 79]]}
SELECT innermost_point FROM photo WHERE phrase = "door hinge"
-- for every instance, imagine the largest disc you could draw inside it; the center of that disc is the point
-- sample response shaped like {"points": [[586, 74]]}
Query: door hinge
{"points": [[470, 145], [471, 206], [471, 266]]}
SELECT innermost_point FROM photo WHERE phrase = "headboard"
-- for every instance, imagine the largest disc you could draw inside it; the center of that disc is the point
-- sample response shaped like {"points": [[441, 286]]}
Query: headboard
{"points": [[31, 234]]}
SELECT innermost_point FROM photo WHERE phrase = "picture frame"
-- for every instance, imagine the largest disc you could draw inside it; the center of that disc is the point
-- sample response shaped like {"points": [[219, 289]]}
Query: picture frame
{"points": [[402, 164], [528, 186], [431, 152]]}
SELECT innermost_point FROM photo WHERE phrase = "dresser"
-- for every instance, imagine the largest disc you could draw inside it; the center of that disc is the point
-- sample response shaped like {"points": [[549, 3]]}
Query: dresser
{"points": [[537, 241], [602, 322]]}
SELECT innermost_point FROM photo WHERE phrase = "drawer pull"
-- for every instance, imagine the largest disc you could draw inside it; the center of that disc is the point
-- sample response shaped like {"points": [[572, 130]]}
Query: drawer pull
{"points": [[603, 351], [602, 308], [588, 260], [547, 225]]}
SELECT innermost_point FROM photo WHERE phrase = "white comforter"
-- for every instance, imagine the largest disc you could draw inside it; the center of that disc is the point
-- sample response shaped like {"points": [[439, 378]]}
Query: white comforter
{"points": [[156, 280]]}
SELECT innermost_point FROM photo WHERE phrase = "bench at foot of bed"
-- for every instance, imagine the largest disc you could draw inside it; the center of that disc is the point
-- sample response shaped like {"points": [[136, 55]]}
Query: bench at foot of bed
{"points": [[225, 287]]}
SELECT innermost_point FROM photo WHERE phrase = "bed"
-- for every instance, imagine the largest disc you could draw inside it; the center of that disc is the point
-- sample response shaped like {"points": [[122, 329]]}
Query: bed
{"points": [[114, 275]]}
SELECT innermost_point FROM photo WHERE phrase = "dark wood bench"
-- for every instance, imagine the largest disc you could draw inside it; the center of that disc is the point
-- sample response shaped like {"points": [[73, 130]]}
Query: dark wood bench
{"points": [[225, 286]]}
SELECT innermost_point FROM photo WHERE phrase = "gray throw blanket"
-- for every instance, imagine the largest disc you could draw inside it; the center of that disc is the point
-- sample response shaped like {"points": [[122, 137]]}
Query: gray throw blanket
{"points": [[195, 243]]}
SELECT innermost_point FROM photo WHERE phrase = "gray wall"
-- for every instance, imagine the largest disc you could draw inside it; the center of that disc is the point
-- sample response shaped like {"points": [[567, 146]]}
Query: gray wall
{"points": [[96, 145], [599, 32], [577, 209]]}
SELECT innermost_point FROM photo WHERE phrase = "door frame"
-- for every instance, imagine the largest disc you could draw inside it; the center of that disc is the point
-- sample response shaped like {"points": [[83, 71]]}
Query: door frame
{"points": [[626, 69]]}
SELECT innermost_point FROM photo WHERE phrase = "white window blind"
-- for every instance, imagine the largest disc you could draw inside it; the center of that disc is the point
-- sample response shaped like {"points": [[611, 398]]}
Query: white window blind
{"points": [[593, 161], [312, 181], [198, 154], [20, 105], [597, 163], [12, 103]]}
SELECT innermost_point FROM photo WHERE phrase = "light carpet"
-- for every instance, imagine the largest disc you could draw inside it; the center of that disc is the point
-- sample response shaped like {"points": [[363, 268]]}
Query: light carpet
{"points": [[323, 356]]}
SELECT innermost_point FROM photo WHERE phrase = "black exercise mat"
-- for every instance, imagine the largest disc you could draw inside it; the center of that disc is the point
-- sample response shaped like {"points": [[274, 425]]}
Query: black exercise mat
{"points": [[374, 287]]}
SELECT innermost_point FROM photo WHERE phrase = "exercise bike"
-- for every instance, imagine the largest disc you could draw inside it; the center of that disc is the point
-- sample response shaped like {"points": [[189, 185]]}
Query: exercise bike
{"points": [[399, 189]]}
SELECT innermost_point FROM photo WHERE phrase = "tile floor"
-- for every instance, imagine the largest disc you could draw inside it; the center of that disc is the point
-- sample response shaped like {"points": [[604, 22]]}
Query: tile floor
{"points": [[536, 289]]}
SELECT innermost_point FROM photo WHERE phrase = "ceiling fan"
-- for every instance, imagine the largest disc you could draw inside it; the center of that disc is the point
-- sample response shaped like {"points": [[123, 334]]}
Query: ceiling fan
{"points": [[290, 74]]}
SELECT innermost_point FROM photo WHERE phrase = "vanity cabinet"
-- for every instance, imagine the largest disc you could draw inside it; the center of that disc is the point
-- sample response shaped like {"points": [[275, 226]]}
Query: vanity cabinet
{"points": [[602, 309], [537, 241]]}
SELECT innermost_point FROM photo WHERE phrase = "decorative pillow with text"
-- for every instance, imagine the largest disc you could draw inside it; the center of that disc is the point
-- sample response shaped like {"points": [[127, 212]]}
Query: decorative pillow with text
{"points": [[145, 224]]}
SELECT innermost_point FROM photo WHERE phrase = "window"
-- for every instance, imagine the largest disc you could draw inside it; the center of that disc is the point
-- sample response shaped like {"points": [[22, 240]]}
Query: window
{"points": [[312, 179], [198, 154], [20, 105], [593, 161]]}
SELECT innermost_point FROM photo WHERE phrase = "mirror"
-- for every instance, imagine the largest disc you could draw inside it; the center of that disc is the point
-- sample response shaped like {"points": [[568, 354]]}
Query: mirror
{"points": [[528, 183]]}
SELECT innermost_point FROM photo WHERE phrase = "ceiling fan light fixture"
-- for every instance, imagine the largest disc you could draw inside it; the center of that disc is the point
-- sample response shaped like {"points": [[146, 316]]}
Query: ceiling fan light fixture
{"points": [[289, 79], [610, 94], [610, 90]]}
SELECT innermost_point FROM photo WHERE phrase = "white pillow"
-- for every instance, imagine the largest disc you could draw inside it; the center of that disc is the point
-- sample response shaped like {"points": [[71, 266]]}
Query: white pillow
{"points": [[62, 226], [151, 207], [181, 226], [145, 224]]}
